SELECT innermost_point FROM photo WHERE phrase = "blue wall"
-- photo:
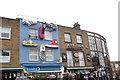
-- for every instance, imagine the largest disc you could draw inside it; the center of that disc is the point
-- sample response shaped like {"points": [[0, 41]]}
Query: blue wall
{"points": [[24, 50]]}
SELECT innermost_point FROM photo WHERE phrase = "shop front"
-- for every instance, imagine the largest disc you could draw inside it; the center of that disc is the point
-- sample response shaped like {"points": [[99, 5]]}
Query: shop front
{"points": [[11, 73], [77, 72], [43, 71]]}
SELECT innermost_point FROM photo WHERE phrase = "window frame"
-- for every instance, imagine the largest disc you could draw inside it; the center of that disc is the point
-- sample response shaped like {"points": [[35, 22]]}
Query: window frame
{"points": [[5, 56], [83, 59], [36, 33], [46, 38], [70, 38], [1, 31], [70, 61], [50, 55], [81, 41], [34, 54]]}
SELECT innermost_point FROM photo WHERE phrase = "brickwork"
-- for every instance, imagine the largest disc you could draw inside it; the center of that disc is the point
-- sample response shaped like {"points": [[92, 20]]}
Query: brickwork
{"points": [[13, 43], [74, 32]]}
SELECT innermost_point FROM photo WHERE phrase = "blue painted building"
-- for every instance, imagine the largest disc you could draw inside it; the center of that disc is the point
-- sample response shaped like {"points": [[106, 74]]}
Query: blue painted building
{"points": [[39, 49]]}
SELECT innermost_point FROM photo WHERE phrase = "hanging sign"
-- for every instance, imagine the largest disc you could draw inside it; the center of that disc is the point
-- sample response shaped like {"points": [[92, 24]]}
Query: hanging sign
{"points": [[76, 54]]}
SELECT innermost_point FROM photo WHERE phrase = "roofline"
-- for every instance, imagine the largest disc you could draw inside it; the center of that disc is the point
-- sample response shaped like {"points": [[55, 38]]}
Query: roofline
{"points": [[8, 18], [82, 30]]}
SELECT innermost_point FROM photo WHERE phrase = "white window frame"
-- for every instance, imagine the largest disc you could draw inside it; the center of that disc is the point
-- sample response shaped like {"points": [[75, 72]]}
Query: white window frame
{"points": [[2, 57], [69, 58], [30, 55], [2, 31], [48, 56], [67, 37], [81, 59], [79, 38], [34, 34], [48, 35]]}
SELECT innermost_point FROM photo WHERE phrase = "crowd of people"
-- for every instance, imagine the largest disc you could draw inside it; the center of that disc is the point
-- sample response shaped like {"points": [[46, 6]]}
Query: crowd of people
{"points": [[90, 76]]}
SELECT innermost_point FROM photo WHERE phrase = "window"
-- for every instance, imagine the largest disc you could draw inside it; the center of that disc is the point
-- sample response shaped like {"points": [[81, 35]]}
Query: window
{"points": [[95, 58], [116, 65], [69, 58], [79, 38], [33, 33], [48, 35], [92, 43], [4, 56], [90, 34], [67, 37], [103, 45], [49, 55], [5, 32], [33, 54], [81, 59], [101, 59], [99, 44]]}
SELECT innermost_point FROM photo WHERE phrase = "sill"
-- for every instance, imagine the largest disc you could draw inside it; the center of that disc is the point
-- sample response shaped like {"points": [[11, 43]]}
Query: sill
{"points": [[48, 40], [79, 43], [68, 42], [5, 38], [4, 62]]}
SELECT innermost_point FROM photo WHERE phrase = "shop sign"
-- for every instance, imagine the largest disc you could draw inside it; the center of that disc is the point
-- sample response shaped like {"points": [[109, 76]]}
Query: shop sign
{"points": [[32, 69], [74, 47]]}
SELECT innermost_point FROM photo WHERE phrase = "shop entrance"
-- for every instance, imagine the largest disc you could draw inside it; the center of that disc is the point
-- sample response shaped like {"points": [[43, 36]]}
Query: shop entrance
{"points": [[42, 76]]}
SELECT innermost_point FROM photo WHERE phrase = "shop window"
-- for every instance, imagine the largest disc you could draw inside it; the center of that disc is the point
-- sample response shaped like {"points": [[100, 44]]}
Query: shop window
{"points": [[81, 59], [95, 58], [69, 58], [79, 38], [67, 37], [4, 56], [5, 32], [33, 33], [49, 55], [33, 54], [48, 35], [101, 59]]}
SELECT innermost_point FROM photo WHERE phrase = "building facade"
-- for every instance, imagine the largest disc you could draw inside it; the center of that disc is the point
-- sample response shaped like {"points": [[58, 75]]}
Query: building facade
{"points": [[83, 51], [39, 49], [9, 49]]}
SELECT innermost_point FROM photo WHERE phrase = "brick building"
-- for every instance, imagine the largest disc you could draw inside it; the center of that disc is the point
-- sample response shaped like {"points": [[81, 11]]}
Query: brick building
{"points": [[9, 49], [83, 51]]}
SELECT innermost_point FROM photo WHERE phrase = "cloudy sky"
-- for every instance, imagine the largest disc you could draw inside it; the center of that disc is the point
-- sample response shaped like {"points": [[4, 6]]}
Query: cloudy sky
{"points": [[100, 16]]}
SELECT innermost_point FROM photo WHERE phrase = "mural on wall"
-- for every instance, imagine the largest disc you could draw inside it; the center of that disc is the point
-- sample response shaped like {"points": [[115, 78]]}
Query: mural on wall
{"points": [[42, 30], [37, 34], [28, 42], [51, 26], [28, 22], [42, 52], [53, 44]]}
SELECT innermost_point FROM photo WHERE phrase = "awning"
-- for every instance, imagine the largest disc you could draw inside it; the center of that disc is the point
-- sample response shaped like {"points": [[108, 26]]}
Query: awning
{"points": [[42, 65], [81, 68], [10, 69]]}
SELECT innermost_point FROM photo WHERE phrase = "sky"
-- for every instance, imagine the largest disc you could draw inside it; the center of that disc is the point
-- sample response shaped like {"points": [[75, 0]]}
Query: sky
{"points": [[99, 16]]}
